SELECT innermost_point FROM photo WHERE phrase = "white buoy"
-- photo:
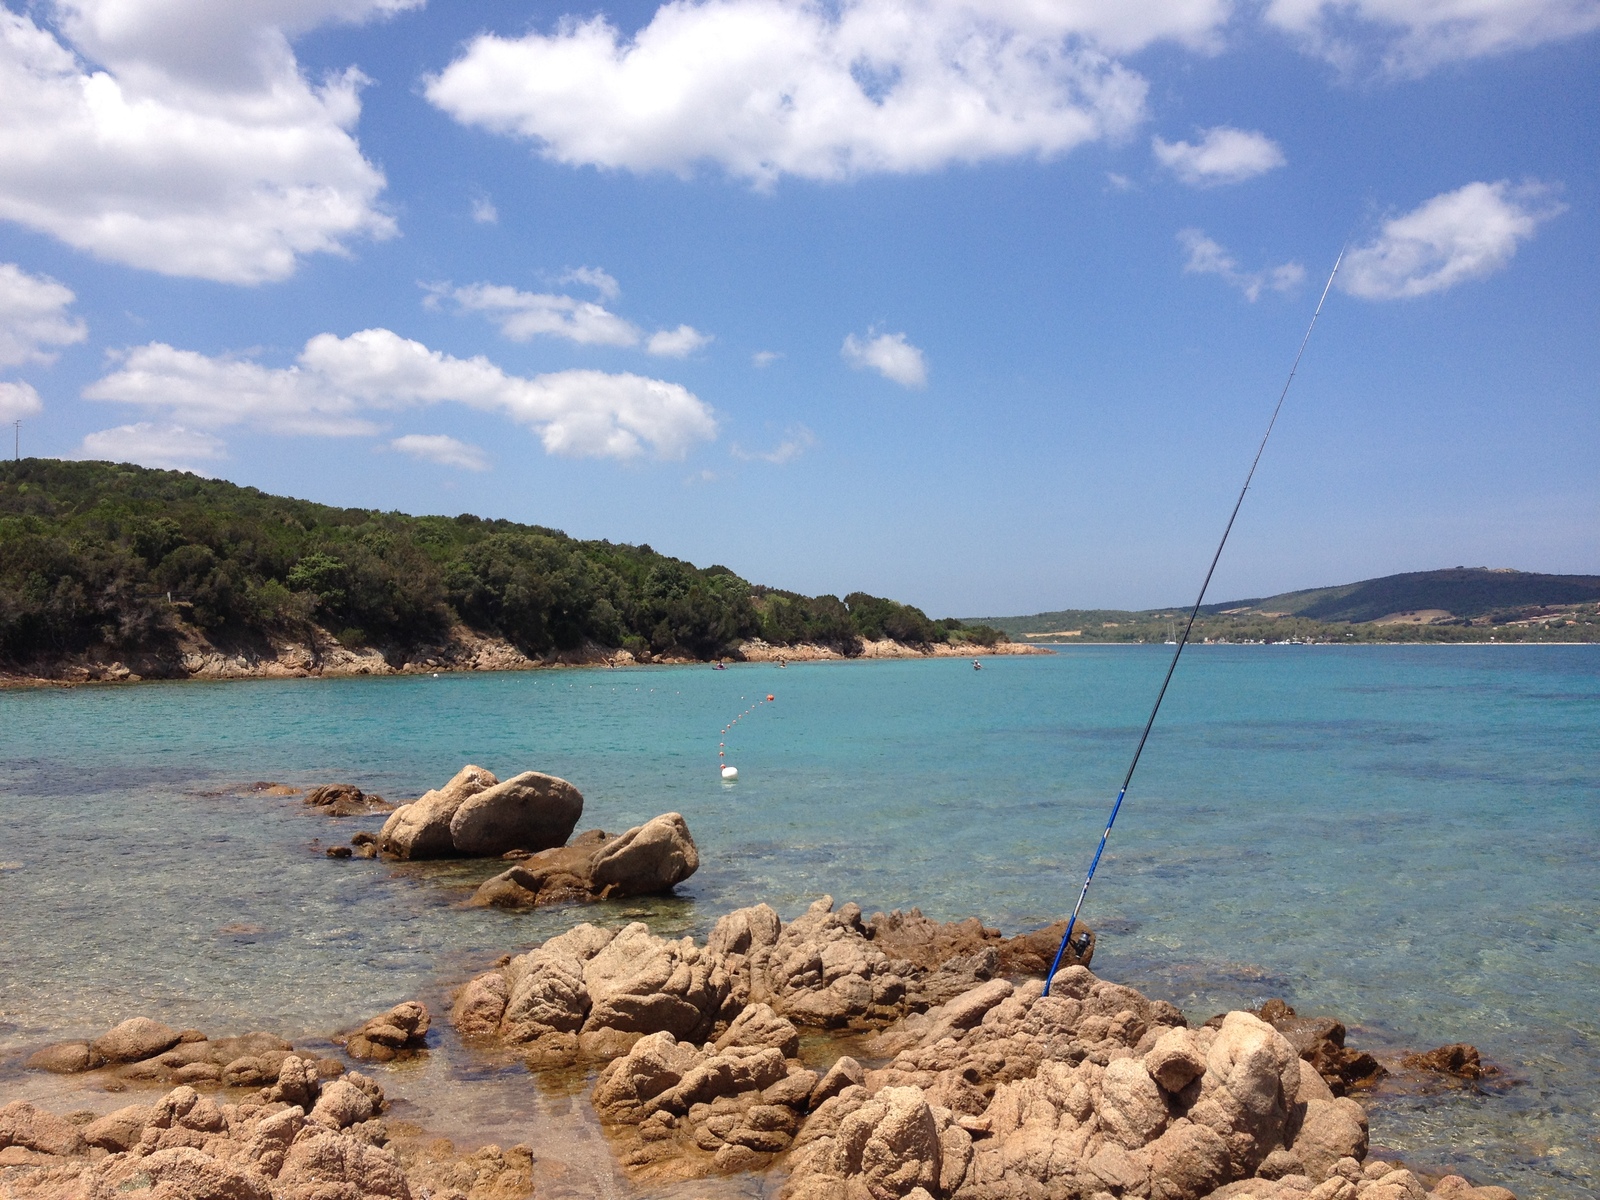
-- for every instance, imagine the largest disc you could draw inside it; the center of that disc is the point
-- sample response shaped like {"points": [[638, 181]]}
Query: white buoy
{"points": [[730, 773]]}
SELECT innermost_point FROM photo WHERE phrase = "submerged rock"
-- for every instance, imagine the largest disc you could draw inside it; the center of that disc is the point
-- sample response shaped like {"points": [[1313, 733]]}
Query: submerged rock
{"points": [[399, 1032], [648, 859], [345, 800], [476, 815], [1458, 1059]]}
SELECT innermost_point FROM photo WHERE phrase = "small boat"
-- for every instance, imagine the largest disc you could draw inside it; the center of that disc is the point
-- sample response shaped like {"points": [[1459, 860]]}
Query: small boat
{"points": [[719, 665]]}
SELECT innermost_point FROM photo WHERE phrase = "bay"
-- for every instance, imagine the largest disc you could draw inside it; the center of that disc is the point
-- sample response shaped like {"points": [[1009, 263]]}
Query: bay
{"points": [[1403, 837]]}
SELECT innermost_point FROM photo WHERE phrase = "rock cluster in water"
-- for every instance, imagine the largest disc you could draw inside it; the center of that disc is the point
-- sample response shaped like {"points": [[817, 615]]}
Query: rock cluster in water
{"points": [[143, 1050], [475, 815], [645, 860], [991, 1091]]}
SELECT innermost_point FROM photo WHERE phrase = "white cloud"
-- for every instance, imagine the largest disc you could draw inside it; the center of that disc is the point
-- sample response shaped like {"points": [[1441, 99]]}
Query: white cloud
{"points": [[1460, 235], [484, 212], [765, 88], [17, 400], [1207, 257], [169, 446], [1222, 155], [765, 358], [595, 277], [442, 449], [1410, 37], [796, 441], [33, 316], [193, 145], [678, 343], [889, 354], [338, 381], [523, 316]]}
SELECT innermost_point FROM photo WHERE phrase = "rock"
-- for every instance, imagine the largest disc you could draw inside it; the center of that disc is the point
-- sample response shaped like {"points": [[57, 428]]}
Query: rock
{"points": [[642, 984], [1458, 1059], [343, 1104], [648, 858], [135, 1039], [421, 829], [197, 1072], [119, 1130], [327, 1164], [845, 1072], [187, 1172], [21, 1124], [1133, 1112], [1175, 1061], [340, 852], [479, 1006], [345, 800], [401, 1030], [532, 811], [759, 1026], [1187, 1162], [1330, 1130], [1252, 1074], [63, 1058]]}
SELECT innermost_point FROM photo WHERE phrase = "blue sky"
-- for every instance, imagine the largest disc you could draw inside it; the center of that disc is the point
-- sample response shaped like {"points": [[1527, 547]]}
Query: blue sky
{"points": [[978, 306]]}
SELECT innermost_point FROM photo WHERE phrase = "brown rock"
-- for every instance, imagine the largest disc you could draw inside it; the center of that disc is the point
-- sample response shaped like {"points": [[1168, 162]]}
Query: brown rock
{"points": [[480, 1005], [21, 1124], [345, 800], [421, 829], [119, 1130], [189, 1173], [532, 811], [1331, 1130], [845, 1072], [1458, 1059], [135, 1039], [63, 1058], [403, 1029]]}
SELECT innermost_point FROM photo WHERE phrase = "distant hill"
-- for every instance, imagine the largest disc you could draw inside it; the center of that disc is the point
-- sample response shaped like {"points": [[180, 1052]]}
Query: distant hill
{"points": [[1462, 592], [1456, 604]]}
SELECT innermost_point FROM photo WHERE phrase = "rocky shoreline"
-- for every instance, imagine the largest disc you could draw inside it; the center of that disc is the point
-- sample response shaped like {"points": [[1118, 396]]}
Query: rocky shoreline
{"points": [[814, 1052], [323, 656]]}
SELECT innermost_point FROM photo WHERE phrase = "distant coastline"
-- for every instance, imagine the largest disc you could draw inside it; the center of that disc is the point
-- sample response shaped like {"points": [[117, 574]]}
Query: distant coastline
{"points": [[323, 656]]}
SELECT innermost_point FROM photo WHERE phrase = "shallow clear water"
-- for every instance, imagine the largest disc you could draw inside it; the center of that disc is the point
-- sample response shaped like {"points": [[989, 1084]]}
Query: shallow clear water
{"points": [[1403, 837]]}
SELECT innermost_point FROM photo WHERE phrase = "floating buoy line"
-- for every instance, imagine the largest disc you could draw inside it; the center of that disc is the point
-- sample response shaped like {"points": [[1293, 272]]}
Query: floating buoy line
{"points": [[727, 770]]}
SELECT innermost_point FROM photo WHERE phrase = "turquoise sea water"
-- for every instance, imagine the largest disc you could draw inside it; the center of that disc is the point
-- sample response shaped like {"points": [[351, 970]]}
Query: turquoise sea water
{"points": [[1406, 838]]}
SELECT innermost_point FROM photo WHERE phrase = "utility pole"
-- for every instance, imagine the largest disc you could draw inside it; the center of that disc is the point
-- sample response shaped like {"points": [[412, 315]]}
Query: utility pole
{"points": [[16, 440]]}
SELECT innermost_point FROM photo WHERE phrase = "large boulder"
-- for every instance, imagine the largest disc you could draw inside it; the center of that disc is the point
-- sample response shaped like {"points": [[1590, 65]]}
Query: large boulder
{"points": [[532, 811], [421, 829], [135, 1039], [647, 859]]}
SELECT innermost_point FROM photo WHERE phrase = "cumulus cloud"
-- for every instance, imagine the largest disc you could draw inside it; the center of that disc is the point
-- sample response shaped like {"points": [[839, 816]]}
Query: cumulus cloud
{"points": [[33, 316], [1465, 234], [677, 343], [484, 212], [765, 358], [1207, 257], [193, 145], [17, 400], [168, 446], [595, 277], [1408, 38], [889, 354], [337, 383], [766, 88], [442, 449], [1222, 155], [797, 439], [523, 316]]}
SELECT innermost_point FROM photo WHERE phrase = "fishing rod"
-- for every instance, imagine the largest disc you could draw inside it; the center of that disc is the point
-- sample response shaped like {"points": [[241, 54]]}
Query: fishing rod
{"points": [[1116, 806]]}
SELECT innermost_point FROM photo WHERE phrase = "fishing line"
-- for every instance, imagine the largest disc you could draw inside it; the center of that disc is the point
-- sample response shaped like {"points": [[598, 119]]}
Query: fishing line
{"points": [[1072, 921]]}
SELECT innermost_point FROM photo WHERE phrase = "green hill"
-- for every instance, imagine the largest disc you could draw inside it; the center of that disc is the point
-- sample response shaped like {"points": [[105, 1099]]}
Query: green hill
{"points": [[1457, 604], [105, 559]]}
